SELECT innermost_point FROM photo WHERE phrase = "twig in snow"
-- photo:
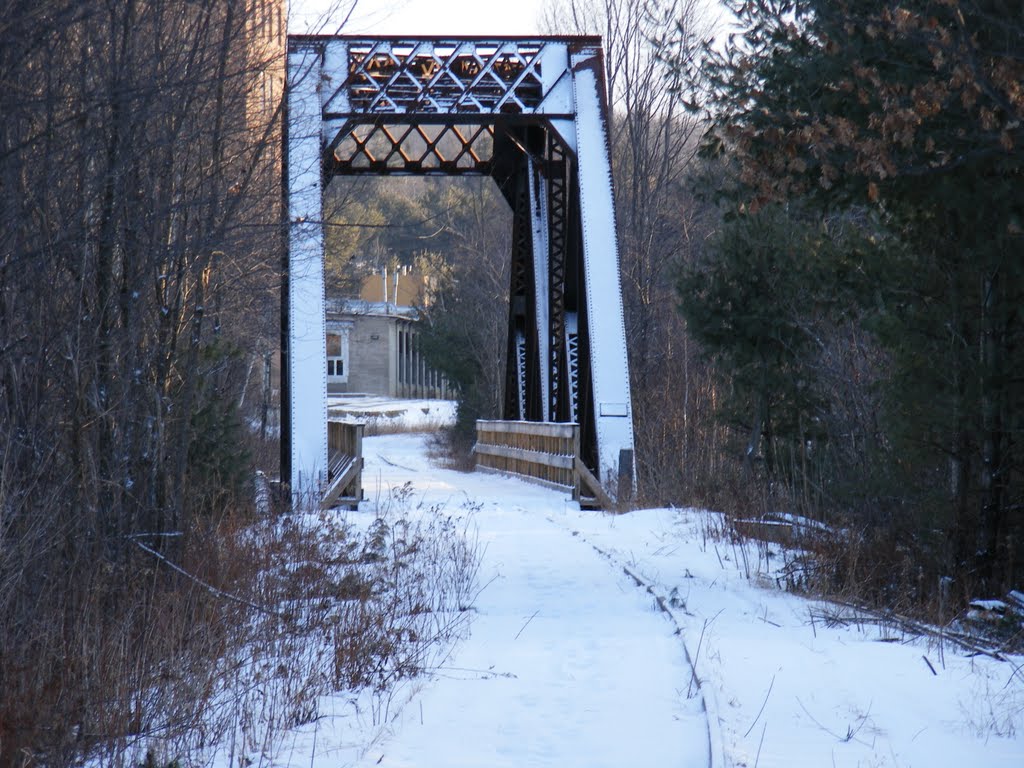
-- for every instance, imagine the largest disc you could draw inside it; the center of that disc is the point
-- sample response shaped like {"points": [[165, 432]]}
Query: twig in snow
{"points": [[484, 674], [760, 744], [766, 620], [1016, 671], [696, 656], [929, 665], [915, 627], [396, 466], [526, 624], [851, 732], [763, 703]]}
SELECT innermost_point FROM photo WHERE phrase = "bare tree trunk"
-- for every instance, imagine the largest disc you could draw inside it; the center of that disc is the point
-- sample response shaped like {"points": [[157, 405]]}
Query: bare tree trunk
{"points": [[991, 512]]}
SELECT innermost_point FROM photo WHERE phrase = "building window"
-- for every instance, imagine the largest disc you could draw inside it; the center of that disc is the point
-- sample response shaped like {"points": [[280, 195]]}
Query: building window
{"points": [[337, 356]]}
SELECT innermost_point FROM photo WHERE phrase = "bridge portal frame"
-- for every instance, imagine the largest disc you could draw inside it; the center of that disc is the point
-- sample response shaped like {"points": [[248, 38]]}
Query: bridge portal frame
{"points": [[532, 114]]}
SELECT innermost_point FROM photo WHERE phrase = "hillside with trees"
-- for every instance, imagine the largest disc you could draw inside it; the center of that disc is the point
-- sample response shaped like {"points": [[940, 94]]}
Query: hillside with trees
{"points": [[820, 216]]}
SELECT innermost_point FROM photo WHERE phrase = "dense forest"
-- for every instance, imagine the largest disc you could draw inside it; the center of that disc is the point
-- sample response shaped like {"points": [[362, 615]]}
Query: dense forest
{"points": [[864, 293]]}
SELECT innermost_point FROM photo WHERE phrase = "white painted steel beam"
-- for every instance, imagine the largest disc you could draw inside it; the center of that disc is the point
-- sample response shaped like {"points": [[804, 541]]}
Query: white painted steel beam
{"points": [[572, 354], [307, 343], [607, 332], [541, 280]]}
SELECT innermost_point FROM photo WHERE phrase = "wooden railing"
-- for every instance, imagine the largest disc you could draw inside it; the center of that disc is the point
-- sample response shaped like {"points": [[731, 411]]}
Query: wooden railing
{"points": [[344, 464], [542, 452]]}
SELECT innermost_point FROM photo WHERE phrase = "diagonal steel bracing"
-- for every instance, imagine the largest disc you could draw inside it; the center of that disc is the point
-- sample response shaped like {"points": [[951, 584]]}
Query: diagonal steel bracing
{"points": [[531, 114], [561, 397]]}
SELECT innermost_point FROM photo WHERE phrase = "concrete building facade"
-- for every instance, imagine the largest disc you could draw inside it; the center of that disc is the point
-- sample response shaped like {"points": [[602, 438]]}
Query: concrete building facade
{"points": [[374, 348]]}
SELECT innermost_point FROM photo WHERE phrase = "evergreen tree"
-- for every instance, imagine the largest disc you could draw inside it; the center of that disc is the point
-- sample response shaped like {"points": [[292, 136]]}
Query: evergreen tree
{"points": [[758, 301], [913, 110]]}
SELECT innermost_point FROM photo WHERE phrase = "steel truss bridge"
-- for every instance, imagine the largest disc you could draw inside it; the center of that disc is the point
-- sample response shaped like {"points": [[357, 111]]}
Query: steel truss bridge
{"points": [[532, 115]]}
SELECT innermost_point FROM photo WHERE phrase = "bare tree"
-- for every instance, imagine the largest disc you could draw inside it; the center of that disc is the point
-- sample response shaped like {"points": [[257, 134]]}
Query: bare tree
{"points": [[653, 134], [134, 225]]}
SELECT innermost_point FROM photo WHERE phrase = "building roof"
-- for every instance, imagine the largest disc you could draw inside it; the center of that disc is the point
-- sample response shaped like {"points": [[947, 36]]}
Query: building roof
{"points": [[369, 309]]}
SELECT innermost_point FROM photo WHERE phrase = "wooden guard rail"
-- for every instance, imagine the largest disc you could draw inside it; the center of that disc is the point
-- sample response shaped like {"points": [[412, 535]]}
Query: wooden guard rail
{"points": [[542, 452], [344, 464]]}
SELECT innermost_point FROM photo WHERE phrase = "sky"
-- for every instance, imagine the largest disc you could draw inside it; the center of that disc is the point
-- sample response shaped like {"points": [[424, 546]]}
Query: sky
{"points": [[421, 17]]}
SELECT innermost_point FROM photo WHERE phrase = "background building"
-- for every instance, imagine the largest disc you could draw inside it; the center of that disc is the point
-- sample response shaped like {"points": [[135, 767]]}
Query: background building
{"points": [[373, 345]]}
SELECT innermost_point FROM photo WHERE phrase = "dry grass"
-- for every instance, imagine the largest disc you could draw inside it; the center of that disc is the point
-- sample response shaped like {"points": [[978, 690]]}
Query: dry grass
{"points": [[224, 637], [386, 426]]}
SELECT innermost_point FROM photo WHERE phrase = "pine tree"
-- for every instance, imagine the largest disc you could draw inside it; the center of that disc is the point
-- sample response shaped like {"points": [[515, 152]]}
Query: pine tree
{"points": [[914, 111]]}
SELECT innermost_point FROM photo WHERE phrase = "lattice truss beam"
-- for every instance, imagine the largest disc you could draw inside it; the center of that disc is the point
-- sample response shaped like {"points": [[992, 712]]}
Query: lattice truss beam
{"points": [[388, 76], [530, 113], [416, 148]]}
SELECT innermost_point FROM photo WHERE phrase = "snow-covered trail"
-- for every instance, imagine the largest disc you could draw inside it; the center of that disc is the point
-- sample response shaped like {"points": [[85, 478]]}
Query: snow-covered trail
{"points": [[568, 661]]}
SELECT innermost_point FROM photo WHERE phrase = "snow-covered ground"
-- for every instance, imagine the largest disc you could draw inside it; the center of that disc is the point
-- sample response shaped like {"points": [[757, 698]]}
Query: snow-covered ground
{"points": [[792, 683], [581, 642], [385, 414]]}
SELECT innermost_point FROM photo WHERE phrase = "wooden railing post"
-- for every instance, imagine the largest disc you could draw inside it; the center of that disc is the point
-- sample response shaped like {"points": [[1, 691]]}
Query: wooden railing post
{"points": [[345, 464], [577, 485], [543, 452]]}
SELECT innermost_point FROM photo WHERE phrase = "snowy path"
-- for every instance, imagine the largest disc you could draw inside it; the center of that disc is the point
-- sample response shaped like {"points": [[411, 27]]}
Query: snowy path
{"points": [[568, 662]]}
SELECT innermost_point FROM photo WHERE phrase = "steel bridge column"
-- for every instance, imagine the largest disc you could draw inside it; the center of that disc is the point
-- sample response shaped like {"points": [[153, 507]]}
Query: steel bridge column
{"points": [[541, 281], [521, 369], [607, 335], [562, 395], [304, 343]]}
